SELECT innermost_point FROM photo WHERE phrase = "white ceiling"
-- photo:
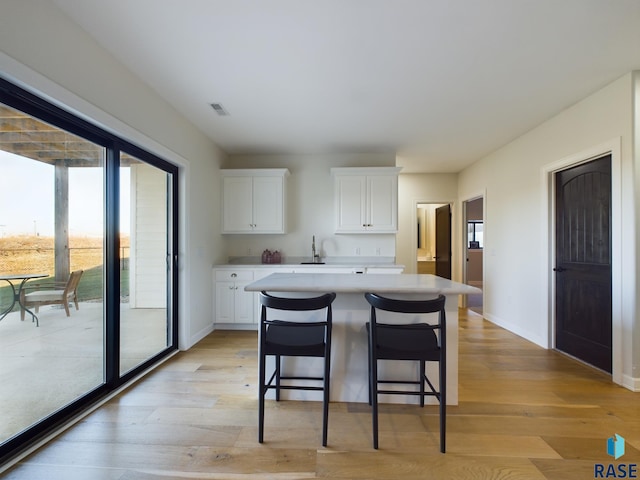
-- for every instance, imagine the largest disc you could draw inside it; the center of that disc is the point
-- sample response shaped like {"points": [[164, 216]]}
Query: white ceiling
{"points": [[439, 82]]}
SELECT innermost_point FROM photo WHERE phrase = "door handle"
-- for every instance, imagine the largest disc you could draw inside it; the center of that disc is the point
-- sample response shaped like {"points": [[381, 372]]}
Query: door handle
{"points": [[559, 269]]}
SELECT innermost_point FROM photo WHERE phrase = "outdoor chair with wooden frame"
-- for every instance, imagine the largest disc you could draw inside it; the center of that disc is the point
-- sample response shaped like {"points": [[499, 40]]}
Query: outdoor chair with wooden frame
{"points": [[37, 295]]}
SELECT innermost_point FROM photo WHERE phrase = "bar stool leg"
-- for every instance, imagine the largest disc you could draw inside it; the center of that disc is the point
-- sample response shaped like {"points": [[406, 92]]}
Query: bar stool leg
{"points": [[278, 366], [422, 374], [326, 397], [443, 404], [374, 400], [370, 379], [261, 394]]}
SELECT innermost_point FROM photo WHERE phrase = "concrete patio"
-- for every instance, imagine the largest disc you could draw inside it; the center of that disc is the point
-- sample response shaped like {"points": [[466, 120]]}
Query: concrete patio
{"points": [[44, 368]]}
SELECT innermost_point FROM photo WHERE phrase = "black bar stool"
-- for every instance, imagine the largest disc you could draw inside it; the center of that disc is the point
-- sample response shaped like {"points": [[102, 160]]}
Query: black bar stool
{"points": [[422, 342], [295, 338]]}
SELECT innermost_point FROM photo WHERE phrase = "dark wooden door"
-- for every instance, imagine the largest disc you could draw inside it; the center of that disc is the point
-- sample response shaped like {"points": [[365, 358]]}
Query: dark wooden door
{"points": [[443, 241], [583, 262]]}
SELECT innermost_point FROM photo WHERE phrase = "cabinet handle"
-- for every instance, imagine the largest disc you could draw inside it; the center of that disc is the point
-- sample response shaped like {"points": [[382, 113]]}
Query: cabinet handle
{"points": [[234, 275], [230, 287]]}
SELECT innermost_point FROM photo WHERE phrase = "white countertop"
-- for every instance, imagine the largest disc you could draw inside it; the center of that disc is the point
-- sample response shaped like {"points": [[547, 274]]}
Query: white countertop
{"points": [[303, 262], [354, 283]]}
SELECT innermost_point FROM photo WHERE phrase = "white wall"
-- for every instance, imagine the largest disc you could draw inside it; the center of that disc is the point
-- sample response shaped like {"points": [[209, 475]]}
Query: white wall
{"points": [[517, 236], [310, 208], [414, 188], [635, 309], [44, 51]]}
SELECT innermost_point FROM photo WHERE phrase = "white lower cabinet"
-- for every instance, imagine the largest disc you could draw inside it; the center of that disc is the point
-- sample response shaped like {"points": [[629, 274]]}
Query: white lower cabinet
{"points": [[236, 309], [232, 304]]}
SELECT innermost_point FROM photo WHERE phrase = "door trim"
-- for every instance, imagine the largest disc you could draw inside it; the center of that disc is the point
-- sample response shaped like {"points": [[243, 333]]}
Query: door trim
{"points": [[612, 147]]}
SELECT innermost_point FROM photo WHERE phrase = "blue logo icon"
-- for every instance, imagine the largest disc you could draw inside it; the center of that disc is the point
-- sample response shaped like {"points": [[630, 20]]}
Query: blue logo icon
{"points": [[615, 446]]}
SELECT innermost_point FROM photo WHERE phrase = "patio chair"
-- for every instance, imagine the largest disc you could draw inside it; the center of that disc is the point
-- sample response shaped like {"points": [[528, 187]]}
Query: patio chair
{"points": [[51, 294]]}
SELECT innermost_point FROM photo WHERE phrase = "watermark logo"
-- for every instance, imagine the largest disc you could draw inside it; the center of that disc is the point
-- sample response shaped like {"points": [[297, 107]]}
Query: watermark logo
{"points": [[615, 449], [615, 446]]}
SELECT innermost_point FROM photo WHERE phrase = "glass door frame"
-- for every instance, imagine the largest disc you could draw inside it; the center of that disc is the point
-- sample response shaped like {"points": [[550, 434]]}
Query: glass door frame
{"points": [[35, 106]]}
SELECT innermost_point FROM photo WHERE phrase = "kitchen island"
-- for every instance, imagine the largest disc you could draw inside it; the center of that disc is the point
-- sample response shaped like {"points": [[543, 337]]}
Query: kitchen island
{"points": [[349, 376]]}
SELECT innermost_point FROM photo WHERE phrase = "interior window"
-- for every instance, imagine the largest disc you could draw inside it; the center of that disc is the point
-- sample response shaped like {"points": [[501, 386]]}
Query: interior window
{"points": [[474, 234]]}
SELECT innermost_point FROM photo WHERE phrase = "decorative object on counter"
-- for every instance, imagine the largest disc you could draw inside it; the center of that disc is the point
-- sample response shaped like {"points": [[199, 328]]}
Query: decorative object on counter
{"points": [[271, 257]]}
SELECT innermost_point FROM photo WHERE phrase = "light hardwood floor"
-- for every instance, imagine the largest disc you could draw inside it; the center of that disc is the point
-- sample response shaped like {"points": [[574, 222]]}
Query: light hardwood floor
{"points": [[524, 413]]}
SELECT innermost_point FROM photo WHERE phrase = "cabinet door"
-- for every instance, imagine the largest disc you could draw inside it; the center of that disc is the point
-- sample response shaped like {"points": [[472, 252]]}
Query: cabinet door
{"points": [[237, 216], [382, 195], [350, 200], [243, 304], [268, 205], [225, 302]]}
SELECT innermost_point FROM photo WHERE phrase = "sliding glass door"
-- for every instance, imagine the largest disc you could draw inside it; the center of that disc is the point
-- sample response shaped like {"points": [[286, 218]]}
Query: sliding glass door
{"points": [[145, 300], [51, 197], [87, 278]]}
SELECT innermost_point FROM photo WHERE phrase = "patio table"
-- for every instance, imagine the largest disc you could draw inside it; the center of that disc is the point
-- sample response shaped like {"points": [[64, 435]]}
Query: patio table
{"points": [[16, 293]]}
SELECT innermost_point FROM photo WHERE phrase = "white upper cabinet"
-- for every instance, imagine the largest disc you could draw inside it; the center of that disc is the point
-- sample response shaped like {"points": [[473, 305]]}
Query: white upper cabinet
{"points": [[254, 200], [366, 199]]}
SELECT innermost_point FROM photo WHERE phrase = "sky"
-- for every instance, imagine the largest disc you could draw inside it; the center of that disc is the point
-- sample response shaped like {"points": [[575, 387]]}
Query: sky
{"points": [[26, 198]]}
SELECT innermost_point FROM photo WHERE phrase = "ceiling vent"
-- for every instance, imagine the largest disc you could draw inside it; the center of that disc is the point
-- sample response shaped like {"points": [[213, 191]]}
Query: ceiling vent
{"points": [[219, 109]]}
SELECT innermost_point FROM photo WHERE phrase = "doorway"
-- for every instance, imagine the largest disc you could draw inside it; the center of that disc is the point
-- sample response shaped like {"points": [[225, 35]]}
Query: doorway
{"points": [[583, 267], [433, 254], [474, 248]]}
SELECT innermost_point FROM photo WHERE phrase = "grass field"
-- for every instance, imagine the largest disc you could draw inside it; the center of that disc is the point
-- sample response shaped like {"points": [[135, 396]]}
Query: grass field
{"points": [[34, 254]]}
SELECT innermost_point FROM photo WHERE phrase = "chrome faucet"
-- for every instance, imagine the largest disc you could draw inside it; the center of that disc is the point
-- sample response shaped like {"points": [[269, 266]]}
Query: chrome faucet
{"points": [[313, 248]]}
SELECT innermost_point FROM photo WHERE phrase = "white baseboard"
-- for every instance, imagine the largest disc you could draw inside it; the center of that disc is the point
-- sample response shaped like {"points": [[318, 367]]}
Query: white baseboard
{"points": [[517, 330], [236, 326], [198, 336], [631, 383]]}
